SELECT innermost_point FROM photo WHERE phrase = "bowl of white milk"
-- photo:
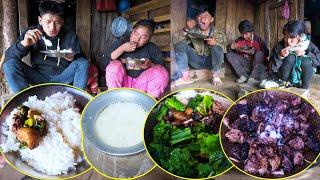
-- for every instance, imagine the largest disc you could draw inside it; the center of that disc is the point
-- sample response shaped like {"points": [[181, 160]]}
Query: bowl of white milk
{"points": [[114, 121]]}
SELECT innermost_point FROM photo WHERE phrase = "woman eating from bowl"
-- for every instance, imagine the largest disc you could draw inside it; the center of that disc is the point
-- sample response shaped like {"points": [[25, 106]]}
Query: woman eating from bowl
{"points": [[135, 62], [295, 56]]}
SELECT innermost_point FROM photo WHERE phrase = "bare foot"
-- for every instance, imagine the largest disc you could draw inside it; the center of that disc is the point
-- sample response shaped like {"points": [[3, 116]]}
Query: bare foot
{"points": [[181, 81], [216, 81]]}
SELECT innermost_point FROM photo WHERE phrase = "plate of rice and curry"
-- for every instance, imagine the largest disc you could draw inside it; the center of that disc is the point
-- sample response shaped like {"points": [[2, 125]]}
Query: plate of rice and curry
{"points": [[40, 131]]}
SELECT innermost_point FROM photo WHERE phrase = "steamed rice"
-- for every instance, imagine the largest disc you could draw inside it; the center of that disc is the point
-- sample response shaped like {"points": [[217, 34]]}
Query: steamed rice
{"points": [[59, 151]]}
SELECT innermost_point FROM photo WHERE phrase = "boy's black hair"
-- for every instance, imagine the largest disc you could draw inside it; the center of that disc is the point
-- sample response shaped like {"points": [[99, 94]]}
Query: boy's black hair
{"points": [[149, 23], [245, 26], [51, 7], [294, 28], [203, 8]]}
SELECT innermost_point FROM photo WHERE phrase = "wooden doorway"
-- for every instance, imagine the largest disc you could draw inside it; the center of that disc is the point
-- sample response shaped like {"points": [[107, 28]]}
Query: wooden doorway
{"points": [[312, 14]]}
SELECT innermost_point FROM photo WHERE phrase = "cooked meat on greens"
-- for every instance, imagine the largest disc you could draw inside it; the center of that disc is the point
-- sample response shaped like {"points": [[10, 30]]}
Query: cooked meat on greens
{"points": [[29, 127], [273, 134], [185, 139]]}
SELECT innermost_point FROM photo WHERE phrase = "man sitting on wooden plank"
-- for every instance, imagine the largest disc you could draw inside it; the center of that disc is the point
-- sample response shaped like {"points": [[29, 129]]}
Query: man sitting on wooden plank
{"points": [[247, 55], [201, 47], [50, 34]]}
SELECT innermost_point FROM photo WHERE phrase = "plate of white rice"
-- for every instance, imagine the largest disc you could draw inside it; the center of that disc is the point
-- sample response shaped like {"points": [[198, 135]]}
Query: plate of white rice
{"points": [[59, 153]]}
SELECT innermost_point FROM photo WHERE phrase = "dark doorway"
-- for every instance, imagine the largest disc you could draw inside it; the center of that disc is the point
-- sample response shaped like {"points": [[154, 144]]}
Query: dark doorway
{"points": [[70, 7], [193, 5], [312, 14]]}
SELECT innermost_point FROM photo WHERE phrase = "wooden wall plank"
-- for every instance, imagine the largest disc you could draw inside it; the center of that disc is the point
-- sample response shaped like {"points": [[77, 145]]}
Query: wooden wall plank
{"points": [[178, 15], [273, 27], [95, 34], [251, 9], [294, 11], [261, 22], [231, 20], [221, 14], [159, 12], [161, 39], [266, 20], [178, 21], [1, 30], [240, 15], [23, 15], [103, 35], [301, 9], [83, 24], [162, 18], [137, 17], [154, 4]]}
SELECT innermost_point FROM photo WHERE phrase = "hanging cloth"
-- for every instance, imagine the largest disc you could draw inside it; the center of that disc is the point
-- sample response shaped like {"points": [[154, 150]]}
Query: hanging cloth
{"points": [[285, 10], [105, 5]]}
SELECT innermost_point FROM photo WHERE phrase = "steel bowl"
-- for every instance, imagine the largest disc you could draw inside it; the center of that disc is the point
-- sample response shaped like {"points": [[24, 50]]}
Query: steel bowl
{"points": [[42, 91], [101, 102], [121, 26]]}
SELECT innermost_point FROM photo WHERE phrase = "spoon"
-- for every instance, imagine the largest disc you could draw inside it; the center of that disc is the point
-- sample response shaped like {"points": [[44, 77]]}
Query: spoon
{"points": [[47, 42], [58, 49]]}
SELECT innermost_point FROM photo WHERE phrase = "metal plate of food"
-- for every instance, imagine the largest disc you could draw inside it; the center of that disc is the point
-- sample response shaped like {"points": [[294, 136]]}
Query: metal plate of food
{"points": [[40, 131], [196, 35], [133, 63], [177, 128], [271, 134], [57, 53]]}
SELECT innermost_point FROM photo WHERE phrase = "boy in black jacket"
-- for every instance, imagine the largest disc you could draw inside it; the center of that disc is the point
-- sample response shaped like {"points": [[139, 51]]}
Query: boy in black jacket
{"points": [[73, 68]]}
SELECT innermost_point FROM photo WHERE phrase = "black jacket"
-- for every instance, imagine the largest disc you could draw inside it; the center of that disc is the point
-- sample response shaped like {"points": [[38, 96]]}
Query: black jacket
{"points": [[312, 51], [149, 50], [49, 66]]}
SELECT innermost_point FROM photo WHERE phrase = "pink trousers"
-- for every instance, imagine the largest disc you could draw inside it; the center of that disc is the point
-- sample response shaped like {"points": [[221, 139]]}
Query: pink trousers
{"points": [[152, 81]]}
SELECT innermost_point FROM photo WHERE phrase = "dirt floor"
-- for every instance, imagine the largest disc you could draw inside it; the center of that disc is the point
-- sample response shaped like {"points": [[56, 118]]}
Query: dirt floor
{"points": [[156, 174], [231, 89]]}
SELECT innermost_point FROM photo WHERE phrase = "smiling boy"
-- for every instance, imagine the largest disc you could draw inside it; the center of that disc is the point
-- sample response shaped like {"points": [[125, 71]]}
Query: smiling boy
{"points": [[196, 53], [73, 69]]}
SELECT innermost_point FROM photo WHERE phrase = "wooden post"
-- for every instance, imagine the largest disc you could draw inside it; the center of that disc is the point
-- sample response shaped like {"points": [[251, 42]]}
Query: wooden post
{"points": [[178, 15], [1, 28], [83, 24], [178, 21], [10, 19], [10, 33], [23, 15]]}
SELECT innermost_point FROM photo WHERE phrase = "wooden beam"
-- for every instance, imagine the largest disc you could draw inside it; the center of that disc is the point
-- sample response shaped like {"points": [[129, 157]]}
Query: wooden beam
{"points": [[162, 30], [154, 4], [83, 24], [23, 15]]}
